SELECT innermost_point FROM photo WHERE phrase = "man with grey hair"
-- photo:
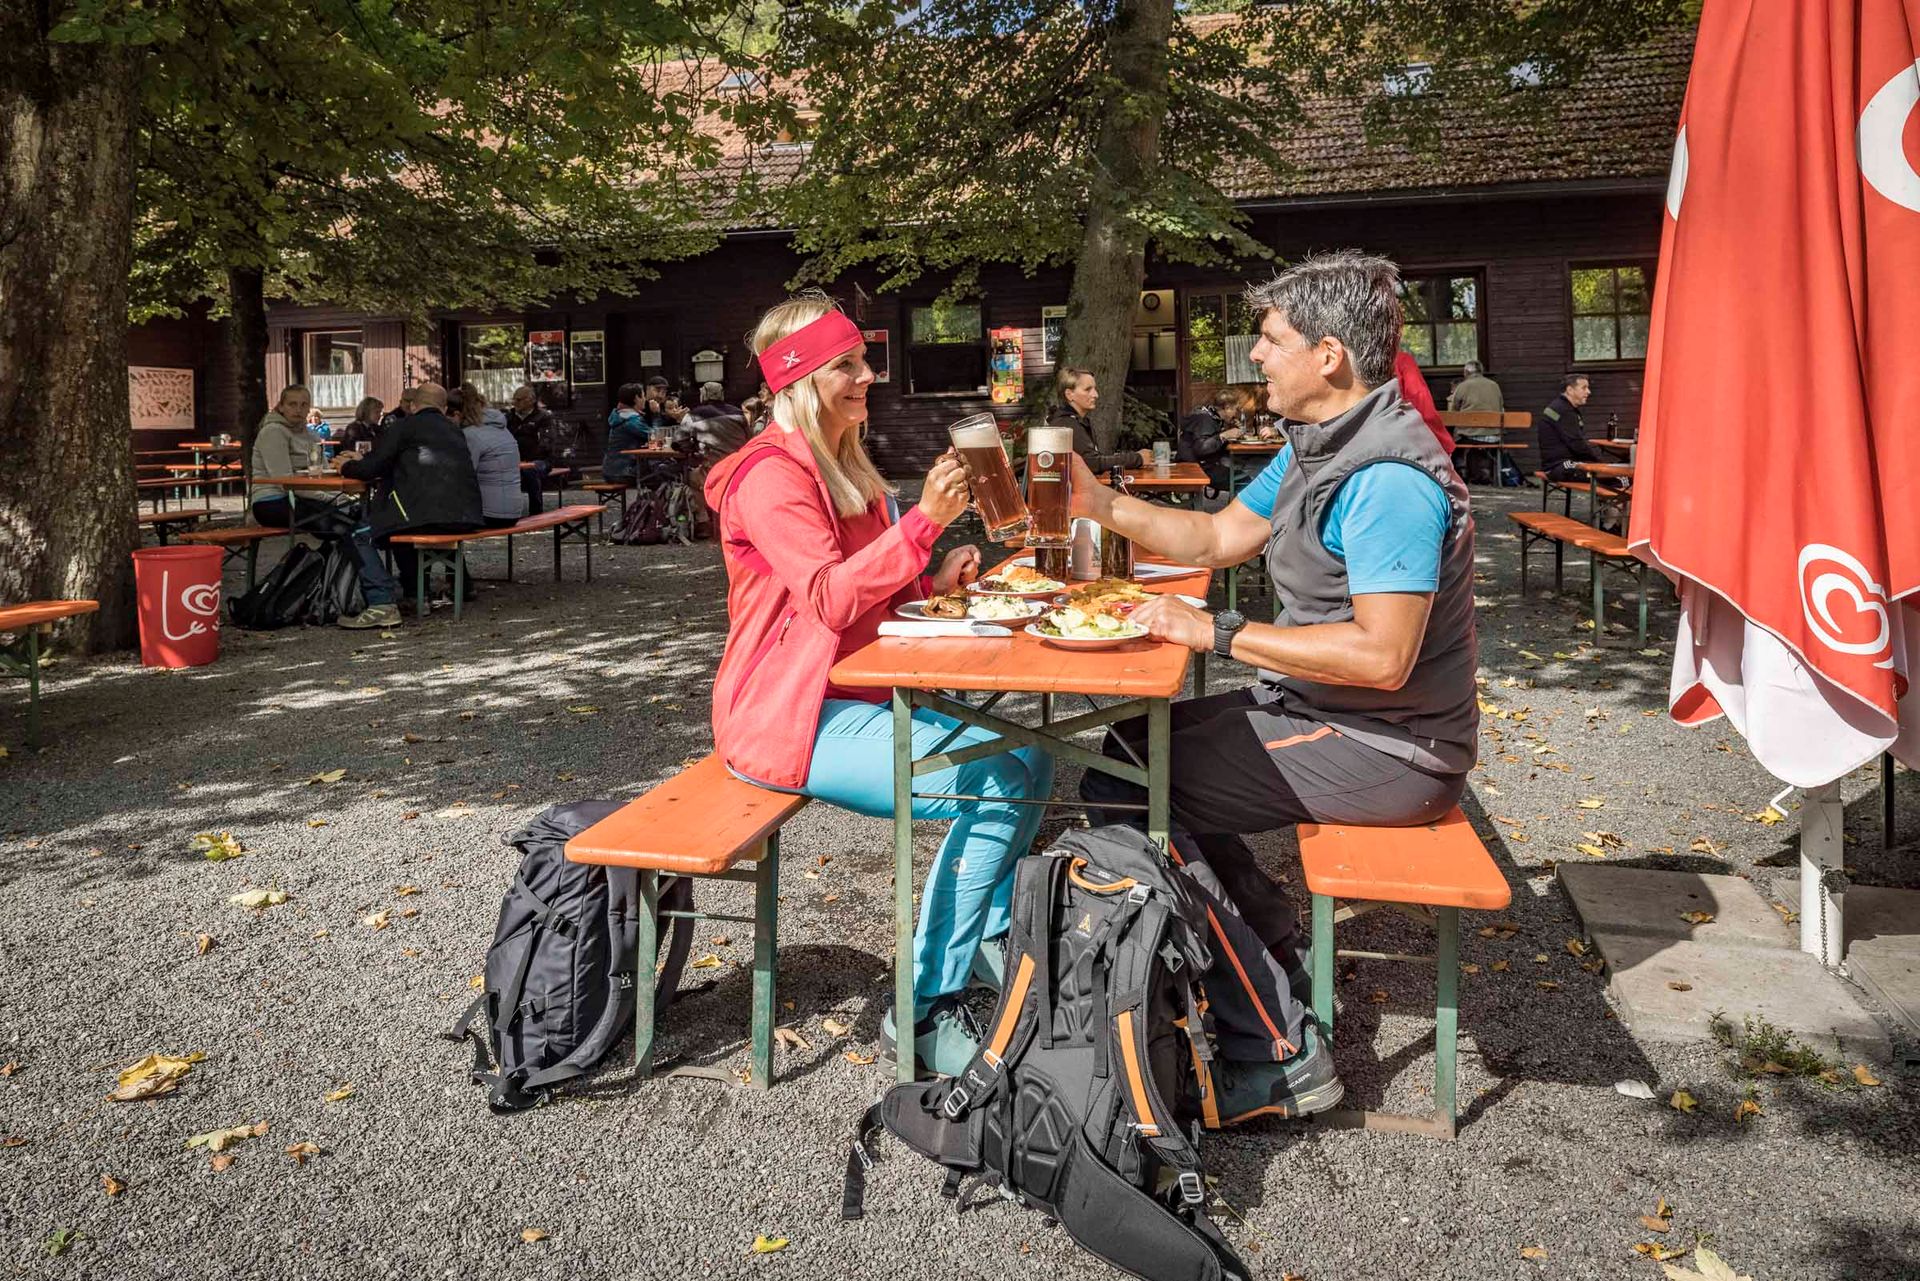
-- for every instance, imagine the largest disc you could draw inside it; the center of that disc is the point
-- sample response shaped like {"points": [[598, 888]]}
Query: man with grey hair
{"points": [[1364, 711], [1476, 393], [721, 427]]}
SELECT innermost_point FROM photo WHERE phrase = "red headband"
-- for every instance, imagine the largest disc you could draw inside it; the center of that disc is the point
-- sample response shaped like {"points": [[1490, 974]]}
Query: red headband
{"points": [[807, 349]]}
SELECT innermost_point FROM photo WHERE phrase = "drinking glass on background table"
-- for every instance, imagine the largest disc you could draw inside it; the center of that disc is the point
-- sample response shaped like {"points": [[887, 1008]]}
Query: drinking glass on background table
{"points": [[1162, 454], [1049, 486], [989, 476]]}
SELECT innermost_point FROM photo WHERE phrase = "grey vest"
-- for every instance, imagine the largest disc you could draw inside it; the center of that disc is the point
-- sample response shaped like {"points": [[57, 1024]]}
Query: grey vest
{"points": [[1433, 721]]}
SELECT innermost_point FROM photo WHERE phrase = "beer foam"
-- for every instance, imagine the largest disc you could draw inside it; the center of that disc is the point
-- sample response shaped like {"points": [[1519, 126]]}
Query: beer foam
{"points": [[984, 435], [1055, 440]]}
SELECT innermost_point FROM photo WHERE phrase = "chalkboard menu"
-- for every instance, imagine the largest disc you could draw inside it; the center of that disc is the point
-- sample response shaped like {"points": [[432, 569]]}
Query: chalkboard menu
{"points": [[547, 356], [589, 357]]}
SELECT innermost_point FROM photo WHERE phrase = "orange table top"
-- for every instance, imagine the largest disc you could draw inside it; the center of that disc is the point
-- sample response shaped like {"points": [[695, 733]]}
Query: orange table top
{"points": [[1617, 446], [1176, 477], [327, 480], [651, 451], [1256, 446], [1614, 471], [1139, 669], [16, 617]]}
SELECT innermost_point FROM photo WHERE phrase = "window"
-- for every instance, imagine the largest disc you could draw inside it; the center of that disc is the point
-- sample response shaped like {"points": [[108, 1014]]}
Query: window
{"points": [[1443, 319], [1220, 334], [1612, 308], [1409, 81], [946, 348], [335, 373], [494, 359]]}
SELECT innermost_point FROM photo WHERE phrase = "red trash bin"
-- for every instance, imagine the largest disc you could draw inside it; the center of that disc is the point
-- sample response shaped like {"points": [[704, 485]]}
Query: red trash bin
{"points": [[179, 597]]}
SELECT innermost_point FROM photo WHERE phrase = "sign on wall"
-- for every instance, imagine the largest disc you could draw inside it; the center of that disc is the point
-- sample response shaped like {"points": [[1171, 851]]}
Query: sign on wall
{"points": [[1006, 372], [160, 397], [879, 354], [547, 356], [589, 357], [1053, 324]]}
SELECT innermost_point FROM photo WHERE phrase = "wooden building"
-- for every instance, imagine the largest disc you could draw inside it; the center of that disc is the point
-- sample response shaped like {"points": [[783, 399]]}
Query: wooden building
{"points": [[1527, 244]]}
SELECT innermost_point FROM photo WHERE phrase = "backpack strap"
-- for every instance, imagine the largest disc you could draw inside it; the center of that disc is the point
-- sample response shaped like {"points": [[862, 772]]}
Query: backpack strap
{"points": [[745, 552]]}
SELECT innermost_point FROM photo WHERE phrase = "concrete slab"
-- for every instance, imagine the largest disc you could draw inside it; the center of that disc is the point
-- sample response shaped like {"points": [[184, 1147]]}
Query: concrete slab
{"points": [[1638, 900], [1893, 978], [1884, 920]]}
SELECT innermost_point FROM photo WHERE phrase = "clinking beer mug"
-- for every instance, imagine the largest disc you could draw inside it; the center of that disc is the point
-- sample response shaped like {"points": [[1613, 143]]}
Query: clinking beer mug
{"points": [[1049, 486], [989, 476]]}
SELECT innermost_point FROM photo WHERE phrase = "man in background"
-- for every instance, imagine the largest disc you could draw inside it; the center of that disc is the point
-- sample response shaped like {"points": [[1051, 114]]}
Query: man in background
{"points": [[1475, 393], [532, 425], [721, 427]]}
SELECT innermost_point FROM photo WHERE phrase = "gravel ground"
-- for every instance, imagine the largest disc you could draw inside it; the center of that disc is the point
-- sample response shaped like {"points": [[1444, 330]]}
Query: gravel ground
{"points": [[450, 736]]}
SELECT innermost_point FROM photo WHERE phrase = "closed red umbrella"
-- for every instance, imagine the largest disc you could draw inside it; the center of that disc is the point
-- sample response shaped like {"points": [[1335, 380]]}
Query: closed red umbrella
{"points": [[1778, 474]]}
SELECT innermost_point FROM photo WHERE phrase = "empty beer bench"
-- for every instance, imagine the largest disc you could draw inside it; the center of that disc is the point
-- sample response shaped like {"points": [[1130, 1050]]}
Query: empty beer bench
{"points": [[569, 525], [702, 822], [22, 654], [1604, 551], [232, 540], [1428, 873]]}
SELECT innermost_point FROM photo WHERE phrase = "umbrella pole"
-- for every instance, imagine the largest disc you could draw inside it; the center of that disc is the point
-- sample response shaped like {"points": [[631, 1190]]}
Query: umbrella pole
{"points": [[1822, 859]]}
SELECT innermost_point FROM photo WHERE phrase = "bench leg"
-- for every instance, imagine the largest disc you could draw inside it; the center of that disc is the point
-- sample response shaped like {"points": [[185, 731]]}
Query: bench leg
{"points": [[420, 584], [33, 687], [556, 552], [1322, 962], [766, 951], [509, 557], [459, 582], [1526, 547], [903, 1012], [646, 950], [1599, 598], [1446, 1015], [1643, 604], [253, 562]]}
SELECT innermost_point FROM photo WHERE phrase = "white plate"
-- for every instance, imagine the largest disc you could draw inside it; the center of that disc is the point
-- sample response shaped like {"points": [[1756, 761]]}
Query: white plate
{"points": [[1036, 594], [1090, 642], [917, 610]]}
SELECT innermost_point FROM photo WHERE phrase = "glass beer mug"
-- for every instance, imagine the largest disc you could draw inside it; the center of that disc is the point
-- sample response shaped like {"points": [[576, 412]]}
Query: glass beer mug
{"points": [[1049, 486], [989, 476]]}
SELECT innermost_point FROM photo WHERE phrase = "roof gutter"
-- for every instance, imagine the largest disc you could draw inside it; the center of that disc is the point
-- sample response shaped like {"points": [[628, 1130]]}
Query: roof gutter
{"points": [[1445, 195]]}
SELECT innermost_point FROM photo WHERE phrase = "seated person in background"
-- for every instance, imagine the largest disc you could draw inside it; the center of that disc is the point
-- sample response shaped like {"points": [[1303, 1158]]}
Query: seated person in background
{"points": [[1207, 431], [420, 481], [318, 425], [401, 408], [720, 427], [1079, 394], [661, 410], [282, 446], [1563, 431], [626, 429], [1365, 710], [533, 426], [754, 409], [1476, 393], [496, 459], [365, 427]]}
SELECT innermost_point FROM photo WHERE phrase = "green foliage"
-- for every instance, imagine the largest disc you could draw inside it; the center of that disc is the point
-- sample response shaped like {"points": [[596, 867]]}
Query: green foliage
{"points": [[1764, 1049]]}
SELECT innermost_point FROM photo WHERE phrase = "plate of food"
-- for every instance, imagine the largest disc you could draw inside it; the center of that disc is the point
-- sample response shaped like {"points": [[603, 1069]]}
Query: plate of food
{"points": [[1017, 580], [1070, 627], [1116, 596], [990, 609]]}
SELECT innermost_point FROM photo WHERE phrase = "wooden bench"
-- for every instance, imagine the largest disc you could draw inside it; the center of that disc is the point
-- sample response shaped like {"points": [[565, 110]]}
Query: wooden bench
{"points": [[1429, 874], [1604, 551], [569, 525], [158, 489], [1596, 493], [234, 539], [1498, 424], [604, 492], [163, 523], [21, 656], [702, 822]]}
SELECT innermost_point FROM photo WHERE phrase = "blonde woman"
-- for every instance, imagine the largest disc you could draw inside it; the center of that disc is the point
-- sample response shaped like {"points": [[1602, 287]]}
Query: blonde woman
{"points": [[816, 559]]}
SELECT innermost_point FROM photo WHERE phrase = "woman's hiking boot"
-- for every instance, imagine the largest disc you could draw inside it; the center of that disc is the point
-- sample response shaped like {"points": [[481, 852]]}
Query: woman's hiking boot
{"points": [[989, 964], [945, 1039], [1299, 1085]]}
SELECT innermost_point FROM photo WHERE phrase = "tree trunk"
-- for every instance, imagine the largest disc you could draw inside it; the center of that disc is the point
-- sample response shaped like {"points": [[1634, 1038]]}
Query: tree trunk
{"points": [[247, 301], [1113, 253], [67, 498]]}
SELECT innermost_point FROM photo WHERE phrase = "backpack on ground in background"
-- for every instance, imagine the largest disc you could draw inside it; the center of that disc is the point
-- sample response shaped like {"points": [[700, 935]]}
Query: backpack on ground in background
{"points": [[335, 592], [560, 972], [280, 598], [1086, 1098], [645, 523]]}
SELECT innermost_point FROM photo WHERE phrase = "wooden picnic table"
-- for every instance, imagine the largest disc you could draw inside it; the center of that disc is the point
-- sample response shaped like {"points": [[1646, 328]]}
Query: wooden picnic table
{"points": [[652, 451], [340, 492], [1174, 478], [931, 672], [1613, 446], [21, 655], [1607, 471]]}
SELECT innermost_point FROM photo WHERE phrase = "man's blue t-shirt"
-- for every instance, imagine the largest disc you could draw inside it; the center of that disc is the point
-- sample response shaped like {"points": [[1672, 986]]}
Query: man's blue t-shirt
{"points": [[1387, 521]]}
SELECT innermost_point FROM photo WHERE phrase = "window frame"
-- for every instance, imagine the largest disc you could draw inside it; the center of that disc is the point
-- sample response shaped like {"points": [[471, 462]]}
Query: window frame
{"points": [[307, 371], [1449, 271], [464, 371], [1648, 267], [909, 350]]}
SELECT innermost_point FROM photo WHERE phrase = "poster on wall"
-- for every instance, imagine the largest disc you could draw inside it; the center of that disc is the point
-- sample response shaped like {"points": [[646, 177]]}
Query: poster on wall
{"points": [[1005, 374], [589, 357], [547, 356], [1053, 323], [160, 397], [879, 355]]}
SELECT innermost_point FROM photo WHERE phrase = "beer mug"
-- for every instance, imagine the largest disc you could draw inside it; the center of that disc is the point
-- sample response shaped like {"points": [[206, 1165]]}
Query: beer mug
{"points": [[1162, 455], [1049, 486], [989, 476]]}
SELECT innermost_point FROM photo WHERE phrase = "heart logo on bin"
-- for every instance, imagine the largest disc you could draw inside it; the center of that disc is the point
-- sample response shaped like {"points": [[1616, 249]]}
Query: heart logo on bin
{"points": [[201, 599]]}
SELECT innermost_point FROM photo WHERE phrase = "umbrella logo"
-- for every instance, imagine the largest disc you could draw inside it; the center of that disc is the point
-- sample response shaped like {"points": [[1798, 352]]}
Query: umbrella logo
{"points": [[1826, 571], [1883, 160], [1677, 176]]}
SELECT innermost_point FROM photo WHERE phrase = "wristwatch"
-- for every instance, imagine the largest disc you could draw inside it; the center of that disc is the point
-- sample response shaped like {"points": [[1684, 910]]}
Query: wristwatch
{"points": [[1226, 625]]}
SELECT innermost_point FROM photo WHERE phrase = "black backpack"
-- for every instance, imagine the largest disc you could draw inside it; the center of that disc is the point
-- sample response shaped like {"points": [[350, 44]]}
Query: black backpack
{"points": [[645, 523], [279, 599], [559, 977], [1085, 1100], [335, 591]]}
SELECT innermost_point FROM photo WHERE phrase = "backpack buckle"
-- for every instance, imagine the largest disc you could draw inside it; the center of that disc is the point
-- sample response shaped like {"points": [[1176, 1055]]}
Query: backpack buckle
{"points": [[1139, 894], [955, 1103], [1193, 1190]]}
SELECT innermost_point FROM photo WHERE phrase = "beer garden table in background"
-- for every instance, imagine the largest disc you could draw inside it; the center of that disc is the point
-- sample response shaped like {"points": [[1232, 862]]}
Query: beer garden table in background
{"points": [[1606, 471], [1175, 478], [340, 492], [928, 672], [1614, 446], [1244, 449]]}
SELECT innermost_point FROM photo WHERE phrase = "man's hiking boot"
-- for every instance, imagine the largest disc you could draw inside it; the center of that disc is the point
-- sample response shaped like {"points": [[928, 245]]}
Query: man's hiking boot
{"points": [[1299, 1085], [944, 1041], [372, 616]]}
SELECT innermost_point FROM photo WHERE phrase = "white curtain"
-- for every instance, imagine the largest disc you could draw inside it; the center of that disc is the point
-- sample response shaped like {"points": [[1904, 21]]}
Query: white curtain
{"points": [[1239, 368], [337, 391], [496, 384]]}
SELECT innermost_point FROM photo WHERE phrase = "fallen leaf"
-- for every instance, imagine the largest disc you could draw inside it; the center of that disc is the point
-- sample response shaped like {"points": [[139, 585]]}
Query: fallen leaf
{"points": [[1576, 947], [405, 891], [721, 940], [531, 1235], [1498, 967], [331, 776], [336, 1096], [1744, 1109], [408, 913], [1864, 1076], [111, 1186], [9, 1068], [1633, 1089], [1541, 958], [259, 898], [584, 709], [788, 1037], [153, 1076], [1591, 851], [1469, 969], [1546, 985], [857, 1058], [1768, 817], [1696, 918], [203, 944], [835, 1027], [13, 1141], [1712, 1268], [411, 737], [1683, 1102], [1660, 1251], [1378, 996], [1677, 986], [59, 1241], [1533, 1252], [1592, 802], [707, 962], [301, 1151], [563, 778], [220, 1162], [769, 1245], [316, 822], [218, 848], [378, 921], [221, 1140], [1701, 845], [477, 982], [1529, 654]]}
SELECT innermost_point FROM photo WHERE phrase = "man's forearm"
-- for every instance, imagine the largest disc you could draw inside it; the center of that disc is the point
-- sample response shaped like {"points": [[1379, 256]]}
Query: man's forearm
{"points": [[1187, 537], [1328, 653]]}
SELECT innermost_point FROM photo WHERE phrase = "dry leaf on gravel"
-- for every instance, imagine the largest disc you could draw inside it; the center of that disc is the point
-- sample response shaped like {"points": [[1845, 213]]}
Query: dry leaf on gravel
{"points": [[1768, 817], [1744, 1109], [1864, 1076], [790, 1038], [1469, 968], [378, 921], [153, 1076], [856, 1058], [1498, 967], [769, 1245], [203, 944], [477, 982], [1591, 851], [1546, 985], [258, 898], [1677, 986], [1541, 958], [1533, 1252], [339, 1095], [1660, 1251], [532, 1235], [221, 1140], [1683, 1102], [218, 847], [584, 709], [1576, 947], [301, 1151], [1378, 996], [316, 822], [404, 891], [111, 1186], [220, 1162], [707, 962], [1696, 918], [1592, 802], [9, 1068], [1701, 845], [331, 776], [1712, 1268], [835, 1027]]}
